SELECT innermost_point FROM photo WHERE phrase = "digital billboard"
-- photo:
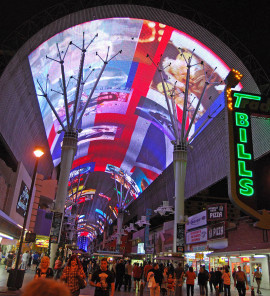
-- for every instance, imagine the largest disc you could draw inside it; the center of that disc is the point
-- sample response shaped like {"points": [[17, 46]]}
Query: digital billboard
{"points": [[126, 124]]}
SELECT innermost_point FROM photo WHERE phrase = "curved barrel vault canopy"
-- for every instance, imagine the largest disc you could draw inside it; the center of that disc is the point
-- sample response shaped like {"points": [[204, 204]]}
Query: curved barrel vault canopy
{"points": [[126, 130]]}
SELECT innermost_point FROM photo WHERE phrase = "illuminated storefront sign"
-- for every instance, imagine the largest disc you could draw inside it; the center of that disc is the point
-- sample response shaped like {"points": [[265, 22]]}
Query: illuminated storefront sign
{"points": [[245, 259], [42, 241], [216, 231], [216, 212], [196, 220], [242, 108]]}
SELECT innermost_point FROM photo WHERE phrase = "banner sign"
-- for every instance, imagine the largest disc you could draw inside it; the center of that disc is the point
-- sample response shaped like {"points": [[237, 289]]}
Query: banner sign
{"points": [[180, 237], [196, 236], [146, 232], [247, 117], [216, 212], [56, 227], [216, 231], [197, 220]]}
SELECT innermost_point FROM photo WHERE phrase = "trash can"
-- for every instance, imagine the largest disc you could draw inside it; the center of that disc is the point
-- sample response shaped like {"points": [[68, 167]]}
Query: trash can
{"points": [[15, 279]]}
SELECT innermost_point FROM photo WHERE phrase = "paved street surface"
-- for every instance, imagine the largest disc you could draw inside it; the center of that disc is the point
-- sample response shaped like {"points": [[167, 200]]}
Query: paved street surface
{"points": [[90, 290]]}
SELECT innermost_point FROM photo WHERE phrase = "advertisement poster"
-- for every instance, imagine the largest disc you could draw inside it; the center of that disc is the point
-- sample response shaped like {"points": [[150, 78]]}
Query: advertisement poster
{"points": [[180, 241], [216, 212], [196, 236], [197, 220], [22, 200], [56, 227]]}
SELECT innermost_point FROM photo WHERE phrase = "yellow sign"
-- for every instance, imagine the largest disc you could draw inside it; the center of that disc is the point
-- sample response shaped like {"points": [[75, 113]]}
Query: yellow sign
{"points": [[199, 256]]}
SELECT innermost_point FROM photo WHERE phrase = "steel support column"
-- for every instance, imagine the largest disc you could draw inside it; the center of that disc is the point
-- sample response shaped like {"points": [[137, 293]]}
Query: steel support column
{"points": [[69, 148], [180, 164], [120, 219]]}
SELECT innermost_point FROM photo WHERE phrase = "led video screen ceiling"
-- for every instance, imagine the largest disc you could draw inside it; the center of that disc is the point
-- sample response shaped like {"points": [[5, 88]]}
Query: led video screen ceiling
{"points": [[126, 126]]}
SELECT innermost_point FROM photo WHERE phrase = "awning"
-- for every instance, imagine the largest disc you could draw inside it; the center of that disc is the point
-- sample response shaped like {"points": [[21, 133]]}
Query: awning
{"points": [[105, 254], [9, 226], [239, 253], [169, 258]]}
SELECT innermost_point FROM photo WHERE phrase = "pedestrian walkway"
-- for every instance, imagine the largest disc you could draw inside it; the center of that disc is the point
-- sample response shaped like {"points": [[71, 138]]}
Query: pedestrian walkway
{"points": [[89, 291]]}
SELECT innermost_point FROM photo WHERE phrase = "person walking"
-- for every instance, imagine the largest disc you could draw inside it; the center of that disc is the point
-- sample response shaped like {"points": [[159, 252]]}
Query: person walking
{"points": [[171, 269], [233, 274], [25, 260], [221, 286], [258, 276], [164, 282], [202, 281], [240, 282], [157, 274], [9, 260], [212, 280], [227, 282], [137, 273], [170, 285], [73, 275], [113, 268], [179, 278], [206, 273], [218, 278], [128, 275], [44, 271], [35, 261], [191, 276], [146, 269], [29, 260], [119, 274], [103, 280], [58, 267]]}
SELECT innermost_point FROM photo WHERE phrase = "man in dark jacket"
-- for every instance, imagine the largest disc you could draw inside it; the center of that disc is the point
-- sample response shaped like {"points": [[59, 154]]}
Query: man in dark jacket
{"points": [[119, 274], [212, 280], [206, 273], [218, 279], [157, 274]]}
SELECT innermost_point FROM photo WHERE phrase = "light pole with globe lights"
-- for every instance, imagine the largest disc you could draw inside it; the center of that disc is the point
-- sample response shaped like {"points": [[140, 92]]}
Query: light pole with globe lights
{"points": [[15, 281]]}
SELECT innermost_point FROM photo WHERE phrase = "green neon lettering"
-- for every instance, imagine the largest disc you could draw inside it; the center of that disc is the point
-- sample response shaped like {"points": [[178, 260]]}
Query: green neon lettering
{"points": [[246, 187], [241, 119], [240, 96], [241, 152], [243, 172], [243, 135]]}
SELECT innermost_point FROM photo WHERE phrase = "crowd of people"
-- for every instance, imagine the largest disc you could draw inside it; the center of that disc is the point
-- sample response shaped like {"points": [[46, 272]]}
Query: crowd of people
{"points": [[161, 279], [28, 260]]}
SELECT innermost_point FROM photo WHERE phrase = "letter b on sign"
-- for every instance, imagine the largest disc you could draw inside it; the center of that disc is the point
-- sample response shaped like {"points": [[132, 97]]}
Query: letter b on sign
{"points": [[241, 119]]}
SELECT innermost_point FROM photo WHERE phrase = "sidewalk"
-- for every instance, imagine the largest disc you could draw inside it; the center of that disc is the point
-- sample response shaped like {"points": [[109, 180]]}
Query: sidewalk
{"points": [[89, 291]]}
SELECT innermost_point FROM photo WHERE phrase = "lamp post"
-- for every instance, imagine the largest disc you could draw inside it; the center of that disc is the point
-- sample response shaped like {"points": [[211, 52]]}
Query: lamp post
{"points": [[13, 277]]}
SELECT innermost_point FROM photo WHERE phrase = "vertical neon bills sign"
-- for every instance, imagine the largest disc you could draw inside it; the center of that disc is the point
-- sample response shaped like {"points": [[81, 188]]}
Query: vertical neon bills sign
{"points": [[242, 190], [244, 142], [240, 108]]}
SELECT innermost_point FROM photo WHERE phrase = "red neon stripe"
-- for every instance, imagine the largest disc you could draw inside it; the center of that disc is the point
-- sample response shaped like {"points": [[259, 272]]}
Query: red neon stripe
{"points": [[51, 136]]}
